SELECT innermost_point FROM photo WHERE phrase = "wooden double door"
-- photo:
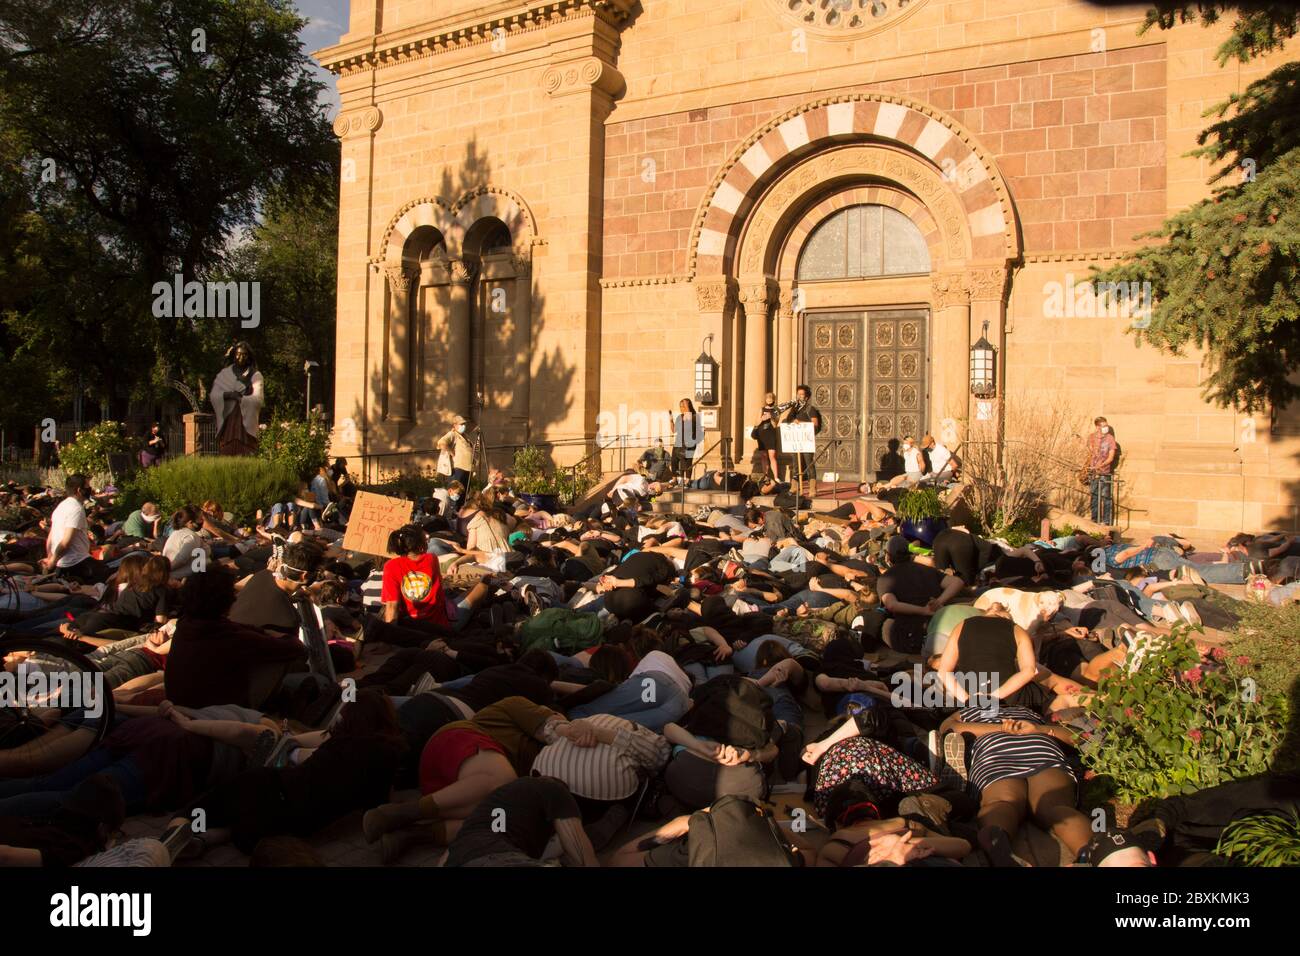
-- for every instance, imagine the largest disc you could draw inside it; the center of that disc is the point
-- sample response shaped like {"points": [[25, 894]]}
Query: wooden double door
{"points": [[868, 371]]}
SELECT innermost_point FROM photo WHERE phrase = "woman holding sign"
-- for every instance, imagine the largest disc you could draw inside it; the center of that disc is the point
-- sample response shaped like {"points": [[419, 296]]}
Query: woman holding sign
{"points": [[804, 410]]}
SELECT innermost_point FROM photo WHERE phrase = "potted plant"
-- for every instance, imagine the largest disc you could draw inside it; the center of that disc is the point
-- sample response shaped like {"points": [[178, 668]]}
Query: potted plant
{"points": [[923, 515], [530, 481]]}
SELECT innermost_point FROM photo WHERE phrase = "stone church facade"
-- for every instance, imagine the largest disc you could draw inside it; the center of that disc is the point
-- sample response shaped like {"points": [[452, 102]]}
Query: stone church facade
{"points": [[550, 208]]}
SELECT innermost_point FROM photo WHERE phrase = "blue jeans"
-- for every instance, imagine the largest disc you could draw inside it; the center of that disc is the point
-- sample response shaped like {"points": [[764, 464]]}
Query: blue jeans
{"points": [[40, 796], [702, 673], [746, 659], [1234, 572], [667, 701], [1101, 490]]}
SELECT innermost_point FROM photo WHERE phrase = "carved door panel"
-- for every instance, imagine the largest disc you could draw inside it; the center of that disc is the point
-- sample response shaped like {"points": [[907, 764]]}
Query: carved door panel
{"points": [[896, 386], [834, 372]]}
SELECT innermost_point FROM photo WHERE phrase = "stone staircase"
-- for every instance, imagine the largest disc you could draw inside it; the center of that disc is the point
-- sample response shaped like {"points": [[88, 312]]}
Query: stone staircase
{"points": [[688, 501]]}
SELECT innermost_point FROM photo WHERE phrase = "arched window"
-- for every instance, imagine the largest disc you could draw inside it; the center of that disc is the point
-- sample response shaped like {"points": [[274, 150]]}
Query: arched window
{"points": [[864, 242]]}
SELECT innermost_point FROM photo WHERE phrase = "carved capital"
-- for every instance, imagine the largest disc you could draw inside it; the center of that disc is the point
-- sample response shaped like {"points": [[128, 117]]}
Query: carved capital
{"points": [[356, 122], [716, 296], [580, 76], [986, 284], [948, 289], [523, 265], [400, 278], [462, 272]]}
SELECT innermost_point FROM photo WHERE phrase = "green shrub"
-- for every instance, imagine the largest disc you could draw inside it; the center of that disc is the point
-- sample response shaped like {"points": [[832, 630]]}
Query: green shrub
{"points": [[302, 446], [1262, 839], [411, 485], [240, 485], [88, 454], [1174, 725], [921, 503]]}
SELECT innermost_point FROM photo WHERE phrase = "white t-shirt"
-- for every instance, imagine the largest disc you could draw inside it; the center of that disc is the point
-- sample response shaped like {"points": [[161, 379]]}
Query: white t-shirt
{"points": [[180, 548], [633, 484], [70, 513], [661, 663], [939, 458], [913, 463]]}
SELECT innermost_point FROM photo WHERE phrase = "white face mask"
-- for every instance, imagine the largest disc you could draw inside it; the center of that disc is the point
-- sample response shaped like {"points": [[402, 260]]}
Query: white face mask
{"points": [[461, 429], [1105, 429]]}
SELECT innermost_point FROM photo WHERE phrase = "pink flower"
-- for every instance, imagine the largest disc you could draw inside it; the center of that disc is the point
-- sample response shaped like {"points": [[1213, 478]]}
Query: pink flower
{"points": [[1128, 712], [1192, 676], [1218, 653], [1243, 660], [1195, 734]]}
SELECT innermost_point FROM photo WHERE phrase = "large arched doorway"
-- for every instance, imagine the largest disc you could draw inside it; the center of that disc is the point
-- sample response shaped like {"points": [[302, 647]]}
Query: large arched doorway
{"points": [[866, 358], [781, 265]]}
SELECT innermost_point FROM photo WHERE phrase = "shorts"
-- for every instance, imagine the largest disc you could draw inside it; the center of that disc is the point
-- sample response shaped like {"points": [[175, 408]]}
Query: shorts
{"points": [[446, 752]]}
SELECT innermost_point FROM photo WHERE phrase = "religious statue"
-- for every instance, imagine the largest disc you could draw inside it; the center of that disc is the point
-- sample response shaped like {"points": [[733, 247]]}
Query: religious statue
{"points": [[236, 398]]}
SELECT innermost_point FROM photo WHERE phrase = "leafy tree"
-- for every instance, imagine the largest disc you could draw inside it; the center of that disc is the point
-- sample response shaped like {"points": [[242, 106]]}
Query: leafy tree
{"points": [[139, 139], [1225, 277]]}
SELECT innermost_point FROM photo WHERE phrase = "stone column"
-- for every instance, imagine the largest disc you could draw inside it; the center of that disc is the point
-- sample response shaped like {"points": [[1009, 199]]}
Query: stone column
{"points": [[400, 280], [758, 297], [194, 423], [950, 337], [459, 339], [522, 310], [716, 299], [786, 350]]}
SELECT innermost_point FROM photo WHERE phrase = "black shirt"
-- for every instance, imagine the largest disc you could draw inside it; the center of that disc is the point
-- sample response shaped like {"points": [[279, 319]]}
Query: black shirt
{"points": [[505, 680], [261, 604], [911, 583], [647, 569], [518, 817]]}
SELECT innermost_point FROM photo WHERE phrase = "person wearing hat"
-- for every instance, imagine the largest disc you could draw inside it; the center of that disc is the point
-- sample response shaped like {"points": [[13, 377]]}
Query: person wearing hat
{"points": [[459, 448]]}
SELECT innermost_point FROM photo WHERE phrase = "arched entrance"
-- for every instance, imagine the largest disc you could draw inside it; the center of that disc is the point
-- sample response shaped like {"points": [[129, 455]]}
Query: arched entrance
{"points": [[855, 243]]}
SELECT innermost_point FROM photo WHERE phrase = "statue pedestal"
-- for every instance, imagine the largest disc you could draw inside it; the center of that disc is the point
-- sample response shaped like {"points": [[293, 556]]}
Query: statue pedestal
{"points": [[200, 433]]}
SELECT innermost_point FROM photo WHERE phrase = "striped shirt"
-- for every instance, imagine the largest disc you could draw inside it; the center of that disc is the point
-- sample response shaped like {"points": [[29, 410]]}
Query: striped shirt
{"points": [[605, 771], [1002, 756], [372, 588]]}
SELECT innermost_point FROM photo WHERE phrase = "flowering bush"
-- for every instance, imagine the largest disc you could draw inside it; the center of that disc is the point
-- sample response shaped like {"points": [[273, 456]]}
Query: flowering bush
{"points": [[88, 454], [1177, 724], [240, 485], [301, 446]]}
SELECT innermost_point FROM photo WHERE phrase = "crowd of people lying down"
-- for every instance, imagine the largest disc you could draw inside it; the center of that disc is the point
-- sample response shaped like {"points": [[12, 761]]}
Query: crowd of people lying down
{"points": [[605, 686]]}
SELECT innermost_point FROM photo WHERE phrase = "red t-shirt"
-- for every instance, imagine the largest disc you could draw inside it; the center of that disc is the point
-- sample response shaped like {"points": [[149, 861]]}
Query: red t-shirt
{"points": [[418, 583]]}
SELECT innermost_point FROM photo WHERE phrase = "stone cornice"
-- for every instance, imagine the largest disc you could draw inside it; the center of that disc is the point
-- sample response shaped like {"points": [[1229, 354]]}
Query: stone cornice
{"points": [[623, 283], [482, 26]]}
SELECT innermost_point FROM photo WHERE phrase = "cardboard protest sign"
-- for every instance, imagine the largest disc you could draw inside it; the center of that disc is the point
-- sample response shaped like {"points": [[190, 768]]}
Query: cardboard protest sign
{"points": [[798, 438], [373, 519]]}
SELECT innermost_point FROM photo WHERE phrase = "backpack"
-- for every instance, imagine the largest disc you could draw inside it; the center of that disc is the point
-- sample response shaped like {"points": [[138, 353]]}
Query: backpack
{"points": [[733, 710], [735, 831], [561, 629]]}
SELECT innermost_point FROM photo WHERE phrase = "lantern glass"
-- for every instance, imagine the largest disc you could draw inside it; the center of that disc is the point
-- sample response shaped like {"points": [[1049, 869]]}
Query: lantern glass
{"points": [[704, 374], [982, 359]]}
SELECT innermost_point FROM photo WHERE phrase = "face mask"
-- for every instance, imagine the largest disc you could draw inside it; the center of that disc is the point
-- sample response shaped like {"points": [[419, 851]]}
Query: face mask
{"points": [[461, 429], [1105, 429]]}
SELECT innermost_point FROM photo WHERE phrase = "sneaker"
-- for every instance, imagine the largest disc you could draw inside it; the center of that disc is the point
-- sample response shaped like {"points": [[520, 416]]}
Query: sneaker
{"points": [[1189, 614], [532, 600], [954, 761]]}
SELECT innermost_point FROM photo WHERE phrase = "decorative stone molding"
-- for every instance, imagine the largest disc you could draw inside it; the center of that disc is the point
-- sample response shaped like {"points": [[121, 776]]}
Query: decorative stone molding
{"points": [[882, 162], [845, 19], [642, 280], [715, 296], [484, 26], [357, 122], [785, 304], [757, 294], [453, 218], [523, 265], [581, 76], [977, 184], [948, 289], [986, 284]]}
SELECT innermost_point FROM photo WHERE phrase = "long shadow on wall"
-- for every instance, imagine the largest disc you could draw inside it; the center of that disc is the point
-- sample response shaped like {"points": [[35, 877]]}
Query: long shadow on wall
{"points": [[516, 390]]}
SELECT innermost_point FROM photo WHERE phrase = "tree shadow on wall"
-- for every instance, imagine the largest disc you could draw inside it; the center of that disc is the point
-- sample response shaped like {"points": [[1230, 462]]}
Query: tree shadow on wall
{"points": [[517, 389]]}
